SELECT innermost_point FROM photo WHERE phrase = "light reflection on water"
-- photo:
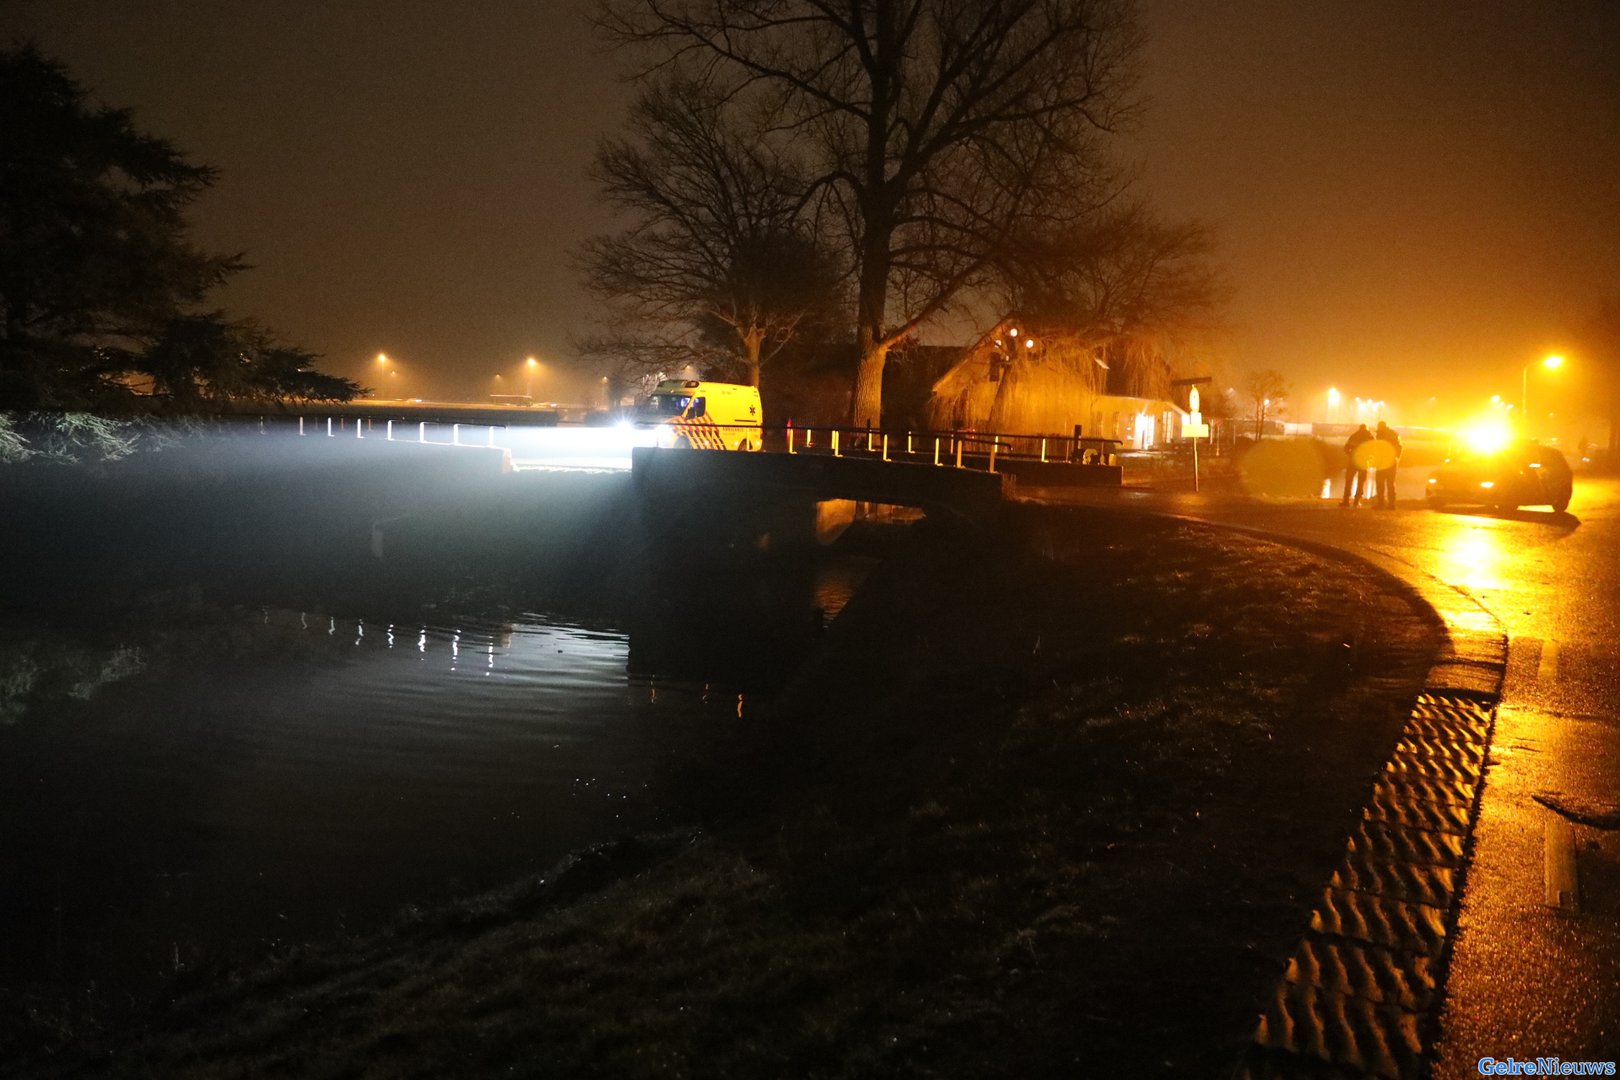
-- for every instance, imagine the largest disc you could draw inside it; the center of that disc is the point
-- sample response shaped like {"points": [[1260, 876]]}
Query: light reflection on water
{"points": [[288, 774]]}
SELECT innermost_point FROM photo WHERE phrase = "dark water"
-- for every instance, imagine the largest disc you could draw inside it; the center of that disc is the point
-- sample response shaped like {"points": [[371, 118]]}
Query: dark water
{"points": [[214, 793]]}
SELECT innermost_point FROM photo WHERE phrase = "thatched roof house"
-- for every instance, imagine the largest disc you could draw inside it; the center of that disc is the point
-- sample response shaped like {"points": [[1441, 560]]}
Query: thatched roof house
{"points": [[1018, 380]]}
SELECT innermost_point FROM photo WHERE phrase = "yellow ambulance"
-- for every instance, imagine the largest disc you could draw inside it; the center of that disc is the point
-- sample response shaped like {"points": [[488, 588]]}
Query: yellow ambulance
{"points": [[703, 415]]}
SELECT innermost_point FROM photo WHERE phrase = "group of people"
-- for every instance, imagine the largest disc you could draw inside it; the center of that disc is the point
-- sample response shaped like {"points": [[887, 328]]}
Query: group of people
{"points": [[1377, 452]]}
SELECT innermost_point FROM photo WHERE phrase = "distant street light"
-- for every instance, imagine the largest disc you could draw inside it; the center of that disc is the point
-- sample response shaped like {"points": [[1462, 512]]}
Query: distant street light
{"points": [[1551, 363]]}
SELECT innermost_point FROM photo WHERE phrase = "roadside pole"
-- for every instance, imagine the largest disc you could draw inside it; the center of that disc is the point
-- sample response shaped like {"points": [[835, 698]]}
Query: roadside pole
{"points": [[1194, 428]]}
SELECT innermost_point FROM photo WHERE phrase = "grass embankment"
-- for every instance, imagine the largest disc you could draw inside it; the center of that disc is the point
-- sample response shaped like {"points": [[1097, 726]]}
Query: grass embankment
{"points": [[1027, 814]]}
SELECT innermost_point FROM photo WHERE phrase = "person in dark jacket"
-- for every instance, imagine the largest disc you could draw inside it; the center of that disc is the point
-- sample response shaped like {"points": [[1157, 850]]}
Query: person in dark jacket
{"points": [[1386, 456], [1355, 470]]}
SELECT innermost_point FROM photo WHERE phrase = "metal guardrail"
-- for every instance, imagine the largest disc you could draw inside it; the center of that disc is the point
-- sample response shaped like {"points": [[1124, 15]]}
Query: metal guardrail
{"points": [[971, 450], [324, 426], [947, 447]]}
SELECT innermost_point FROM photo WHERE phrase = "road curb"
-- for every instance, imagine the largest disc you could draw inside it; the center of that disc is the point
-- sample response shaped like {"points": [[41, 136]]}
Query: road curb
{"points": [[1361, 994]]}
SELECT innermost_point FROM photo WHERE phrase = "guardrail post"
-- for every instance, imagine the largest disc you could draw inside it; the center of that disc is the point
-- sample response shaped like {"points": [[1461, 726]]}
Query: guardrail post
{"points": [[328, 427], [790, 439], [835, 443], [958, 453], [994, 443], [359, 428], [885, 446], [390, 430], [455, 434], [421, 432], [1043, 450], [936, 449], [909, 450], [300, 425], [491, 435]]}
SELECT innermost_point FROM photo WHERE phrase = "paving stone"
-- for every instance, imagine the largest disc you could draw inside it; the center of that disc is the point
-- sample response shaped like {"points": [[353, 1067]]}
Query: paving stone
{"points": [[1445, 732], [1393, 785], [1342, 1030], [1469, 715], [1389, 843], [1441, 748], [1437, 722], [1408, 765], [1435, 886], [1382, 976], [1396, 807], [1379, 920], [1442, 699]]}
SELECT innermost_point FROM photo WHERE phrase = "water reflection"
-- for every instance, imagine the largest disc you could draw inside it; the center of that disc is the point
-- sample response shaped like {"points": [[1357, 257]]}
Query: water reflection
{"points": [[209, 786], [269, 780]]}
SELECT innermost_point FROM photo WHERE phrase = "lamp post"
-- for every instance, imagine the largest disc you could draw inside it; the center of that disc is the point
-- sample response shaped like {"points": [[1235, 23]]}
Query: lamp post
{"points": [[529, 385], [1551, 363]]}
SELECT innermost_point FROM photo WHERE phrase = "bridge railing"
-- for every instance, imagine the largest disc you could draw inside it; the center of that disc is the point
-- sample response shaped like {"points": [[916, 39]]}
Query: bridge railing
{"points": [[411, 430], [961, 449]]}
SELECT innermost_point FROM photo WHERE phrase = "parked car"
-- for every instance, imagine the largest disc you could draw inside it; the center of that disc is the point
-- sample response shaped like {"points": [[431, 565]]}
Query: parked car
{"points": [[1521, 474]]}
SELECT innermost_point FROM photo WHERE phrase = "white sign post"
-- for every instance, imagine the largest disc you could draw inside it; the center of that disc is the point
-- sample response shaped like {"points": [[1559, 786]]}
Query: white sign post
{"points": [[1194, 429]]}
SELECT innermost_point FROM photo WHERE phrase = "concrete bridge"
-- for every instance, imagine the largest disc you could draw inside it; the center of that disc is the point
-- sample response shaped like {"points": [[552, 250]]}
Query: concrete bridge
{"points": [[798, 494], [682, 476]]}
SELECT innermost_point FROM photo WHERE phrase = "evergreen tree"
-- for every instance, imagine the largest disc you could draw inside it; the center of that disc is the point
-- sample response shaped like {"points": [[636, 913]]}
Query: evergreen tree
{"points": [[99, 281]]}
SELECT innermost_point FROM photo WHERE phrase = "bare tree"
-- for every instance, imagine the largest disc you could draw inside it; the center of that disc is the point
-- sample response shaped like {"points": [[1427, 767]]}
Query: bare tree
{"points": [[1134, 288], [930, 130], [1600, 333], [1267, 390], [715, 265]]}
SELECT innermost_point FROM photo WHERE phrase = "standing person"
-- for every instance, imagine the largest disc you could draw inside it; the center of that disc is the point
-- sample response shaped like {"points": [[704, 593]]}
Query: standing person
{"points": [[1355, 467], [1385, 458]]}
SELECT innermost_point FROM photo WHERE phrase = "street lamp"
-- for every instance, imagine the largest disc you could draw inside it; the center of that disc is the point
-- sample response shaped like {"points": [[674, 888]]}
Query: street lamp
{"points": [[1551, 363]]}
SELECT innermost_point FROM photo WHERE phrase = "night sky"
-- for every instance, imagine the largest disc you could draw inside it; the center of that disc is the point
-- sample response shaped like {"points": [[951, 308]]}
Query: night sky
{"points": [[1412, 199]]}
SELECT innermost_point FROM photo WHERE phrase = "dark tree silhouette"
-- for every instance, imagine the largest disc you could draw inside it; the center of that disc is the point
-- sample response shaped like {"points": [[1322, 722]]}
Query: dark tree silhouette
{"points": [[98, 280], [715, 264], [1133, 288], [1600, 334], [930, 130], [205, 359], [1267, 391]]}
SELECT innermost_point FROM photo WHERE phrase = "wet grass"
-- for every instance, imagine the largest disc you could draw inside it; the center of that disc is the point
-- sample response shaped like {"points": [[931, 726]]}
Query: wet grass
{"points": [[1048, 804]]}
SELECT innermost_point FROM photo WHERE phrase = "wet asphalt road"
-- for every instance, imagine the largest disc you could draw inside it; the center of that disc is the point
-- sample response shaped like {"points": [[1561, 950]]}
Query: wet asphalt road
{"points": [[1528, 978]]}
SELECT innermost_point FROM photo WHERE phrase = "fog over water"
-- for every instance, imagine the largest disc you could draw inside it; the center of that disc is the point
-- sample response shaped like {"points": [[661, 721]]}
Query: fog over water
{"points": [[191, 779]]}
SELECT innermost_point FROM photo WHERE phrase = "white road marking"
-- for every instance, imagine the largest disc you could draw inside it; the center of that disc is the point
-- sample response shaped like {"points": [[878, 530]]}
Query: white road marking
{"points": [[1547, 669], [1562, 887]]}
